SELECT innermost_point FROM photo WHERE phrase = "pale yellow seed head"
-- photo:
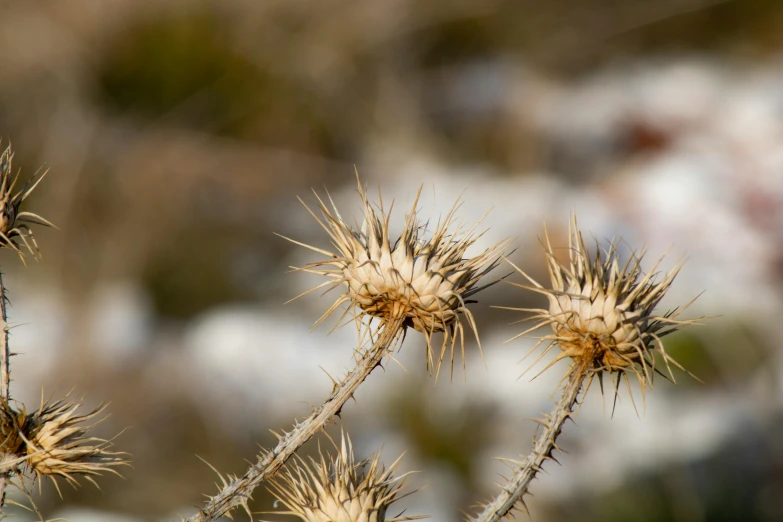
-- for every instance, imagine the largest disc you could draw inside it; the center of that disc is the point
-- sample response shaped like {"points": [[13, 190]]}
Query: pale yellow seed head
{"points": [[338, 489], [58, 444], [423, 278], [603, 310]]}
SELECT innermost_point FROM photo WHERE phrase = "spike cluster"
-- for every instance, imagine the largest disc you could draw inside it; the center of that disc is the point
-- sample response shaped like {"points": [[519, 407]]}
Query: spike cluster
{"points": [[602, 309], [15, 225], [338, 489], [426, 280], [53, 442], [58, 444]]}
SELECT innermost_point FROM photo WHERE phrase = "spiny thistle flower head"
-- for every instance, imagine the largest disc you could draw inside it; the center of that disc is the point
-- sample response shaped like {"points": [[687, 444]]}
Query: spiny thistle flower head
{"points": [[13, 223], [57, 444], [602, 311], [339, 489], [424, 279]]}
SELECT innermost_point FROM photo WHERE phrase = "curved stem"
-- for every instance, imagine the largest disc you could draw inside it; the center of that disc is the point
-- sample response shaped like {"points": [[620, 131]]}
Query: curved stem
{"points": [[543, 448], [236, 492]]}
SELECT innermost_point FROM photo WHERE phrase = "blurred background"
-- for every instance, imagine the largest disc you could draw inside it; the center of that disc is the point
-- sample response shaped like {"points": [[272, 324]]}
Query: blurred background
{"points": [[179, 134]]}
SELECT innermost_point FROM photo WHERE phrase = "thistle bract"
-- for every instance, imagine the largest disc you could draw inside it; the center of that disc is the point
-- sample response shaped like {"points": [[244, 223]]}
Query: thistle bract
{"points": [[424, 278], [338, 489]]}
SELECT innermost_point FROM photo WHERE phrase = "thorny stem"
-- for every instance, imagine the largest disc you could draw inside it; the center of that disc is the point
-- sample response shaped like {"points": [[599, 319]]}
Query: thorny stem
{"points": [[544, 446], [5, 362], [237, 492], [5, 379]]}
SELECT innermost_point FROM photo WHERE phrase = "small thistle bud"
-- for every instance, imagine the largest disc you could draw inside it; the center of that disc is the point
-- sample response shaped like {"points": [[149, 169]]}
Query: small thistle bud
{"points": [[340, 490], [426, 281], [603, 311], [57, 444], [13, 223]]}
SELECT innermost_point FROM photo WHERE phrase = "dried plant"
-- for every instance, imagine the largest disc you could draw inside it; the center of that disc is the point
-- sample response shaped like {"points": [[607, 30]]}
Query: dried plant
{"points": [[604, 312], [602, 317], [53, 441], [424, 279], [408, 282], [59, 445], [13, 223], [601, 313], [339, 489]]}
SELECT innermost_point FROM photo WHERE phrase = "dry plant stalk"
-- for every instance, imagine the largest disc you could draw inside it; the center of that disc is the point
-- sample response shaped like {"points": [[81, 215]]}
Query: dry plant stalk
{"points": [[406, 282], [52, 441], [339, 489], [602, 317]]}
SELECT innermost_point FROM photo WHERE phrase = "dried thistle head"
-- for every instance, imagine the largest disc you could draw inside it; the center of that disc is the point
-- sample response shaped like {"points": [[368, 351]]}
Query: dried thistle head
{"points": [[14, 225], [338, 489], [57, 444], [424, 278], [601, 311]]}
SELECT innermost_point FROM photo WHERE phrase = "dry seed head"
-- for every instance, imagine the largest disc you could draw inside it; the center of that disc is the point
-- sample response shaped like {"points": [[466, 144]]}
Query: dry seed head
{"points": [[58, 445], [425, 280], [338, 489], [14, 225], [604, 310]]}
